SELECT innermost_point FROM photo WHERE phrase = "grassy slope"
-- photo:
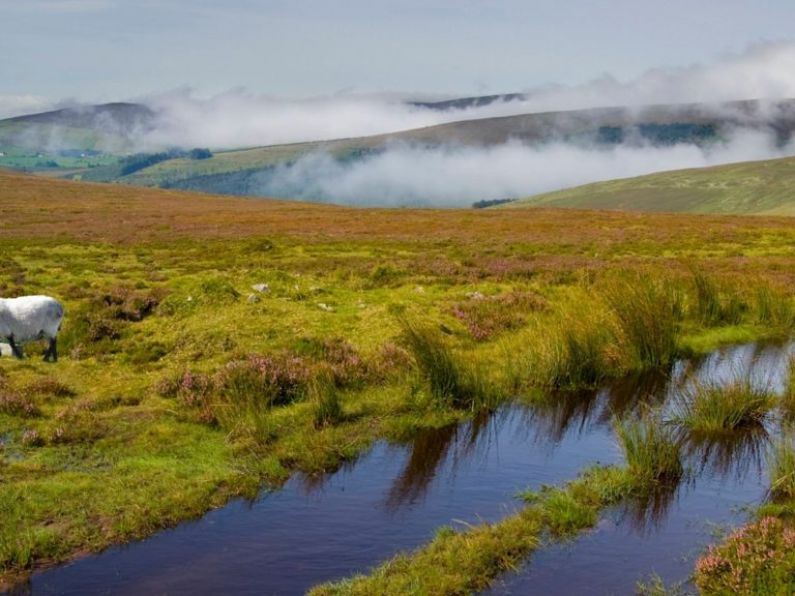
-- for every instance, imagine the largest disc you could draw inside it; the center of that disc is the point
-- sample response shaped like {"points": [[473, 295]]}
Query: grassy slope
{"points": [[531, 128], [149, 461], [760, 187]]}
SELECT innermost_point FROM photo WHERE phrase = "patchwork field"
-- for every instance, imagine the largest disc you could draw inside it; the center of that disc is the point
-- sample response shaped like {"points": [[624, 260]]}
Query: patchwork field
{"points": [[215, 346]]}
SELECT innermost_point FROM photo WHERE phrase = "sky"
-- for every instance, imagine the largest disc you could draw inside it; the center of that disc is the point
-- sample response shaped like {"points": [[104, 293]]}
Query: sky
{"points": [[107, 50]]}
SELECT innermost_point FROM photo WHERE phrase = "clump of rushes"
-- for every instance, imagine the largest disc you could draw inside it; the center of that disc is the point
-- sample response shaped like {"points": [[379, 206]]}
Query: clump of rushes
{"points": [[451, 381], [788, 396], [325, 399], [715, 410], [781, 468], [577, 355], [714, 305], [652, 453], [773, 307], [647, 312]]}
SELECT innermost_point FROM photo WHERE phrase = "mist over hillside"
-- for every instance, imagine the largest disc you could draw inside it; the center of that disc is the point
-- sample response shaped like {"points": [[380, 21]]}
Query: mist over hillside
{"points": [[388, 149]]}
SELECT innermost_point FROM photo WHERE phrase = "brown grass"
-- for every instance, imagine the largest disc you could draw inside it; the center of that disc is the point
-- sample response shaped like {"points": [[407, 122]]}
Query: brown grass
{"points": [[37, 207]]}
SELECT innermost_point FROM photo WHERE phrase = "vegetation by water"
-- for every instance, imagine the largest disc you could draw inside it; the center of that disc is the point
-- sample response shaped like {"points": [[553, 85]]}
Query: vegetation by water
{"points": [[213, 346]]}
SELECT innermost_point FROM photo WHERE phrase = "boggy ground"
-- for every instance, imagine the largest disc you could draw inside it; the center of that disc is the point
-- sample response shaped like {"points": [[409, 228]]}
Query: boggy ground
{"points": [[180, 385]]}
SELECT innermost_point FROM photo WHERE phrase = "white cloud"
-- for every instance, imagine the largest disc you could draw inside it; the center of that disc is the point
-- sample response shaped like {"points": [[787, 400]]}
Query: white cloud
{"points": [[451, 177], [241, 119]]}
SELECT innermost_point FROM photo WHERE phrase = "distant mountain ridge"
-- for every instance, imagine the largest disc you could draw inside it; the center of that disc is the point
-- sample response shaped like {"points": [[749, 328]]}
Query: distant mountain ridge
{"points": [[102, 139], [122, 114]]}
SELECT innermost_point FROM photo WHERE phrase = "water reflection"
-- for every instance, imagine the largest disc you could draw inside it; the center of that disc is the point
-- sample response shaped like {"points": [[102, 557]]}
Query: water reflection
{"points": [[428, 450], [647, 511], [393, 497], [735, 453]]}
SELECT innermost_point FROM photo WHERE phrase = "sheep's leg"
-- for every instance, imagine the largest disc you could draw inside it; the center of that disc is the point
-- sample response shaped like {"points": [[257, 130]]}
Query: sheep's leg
{"points": [[52, 351], [15, 349]]}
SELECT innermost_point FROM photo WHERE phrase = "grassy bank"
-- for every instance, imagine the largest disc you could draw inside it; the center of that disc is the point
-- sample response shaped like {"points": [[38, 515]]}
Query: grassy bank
{"points": [[468, 561], [214, 346]]}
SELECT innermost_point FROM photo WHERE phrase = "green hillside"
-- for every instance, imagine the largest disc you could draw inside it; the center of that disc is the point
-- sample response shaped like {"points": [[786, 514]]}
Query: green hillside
{"points": [[757, 187]]}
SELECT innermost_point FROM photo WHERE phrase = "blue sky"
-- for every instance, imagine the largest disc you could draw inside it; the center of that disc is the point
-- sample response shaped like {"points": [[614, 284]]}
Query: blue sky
{"points": [[100, 50]]}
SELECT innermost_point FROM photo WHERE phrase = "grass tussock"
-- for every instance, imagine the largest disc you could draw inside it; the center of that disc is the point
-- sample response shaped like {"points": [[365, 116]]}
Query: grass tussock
{"points": [[451, 380], [773, 307], [781, 469], [577, 355], [718, 409], [652, 453], [713, 305], [788, 395], [647, 311], [326, 402]]}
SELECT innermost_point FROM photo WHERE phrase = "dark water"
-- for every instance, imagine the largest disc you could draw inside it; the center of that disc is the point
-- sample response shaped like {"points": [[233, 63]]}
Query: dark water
{"points": [[396, 496]]}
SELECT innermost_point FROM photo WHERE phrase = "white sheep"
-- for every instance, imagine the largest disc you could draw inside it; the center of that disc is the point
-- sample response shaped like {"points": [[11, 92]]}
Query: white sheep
{"points": [[30, 318]]}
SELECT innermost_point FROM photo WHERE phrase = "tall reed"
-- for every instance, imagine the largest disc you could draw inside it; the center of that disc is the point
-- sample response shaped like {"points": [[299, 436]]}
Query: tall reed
{"points": [[652, 453], [647, 312], [451, 380]]}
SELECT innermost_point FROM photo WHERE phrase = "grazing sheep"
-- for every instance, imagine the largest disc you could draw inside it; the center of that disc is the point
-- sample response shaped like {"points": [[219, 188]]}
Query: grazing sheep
{"points": [[30, 318]]}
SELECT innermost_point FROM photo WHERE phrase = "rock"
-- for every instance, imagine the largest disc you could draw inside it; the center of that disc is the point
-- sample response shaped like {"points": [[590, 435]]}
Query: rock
{"points": [[261, 288], [252, 299], [324, 306], [5, 350], [475, 296]]}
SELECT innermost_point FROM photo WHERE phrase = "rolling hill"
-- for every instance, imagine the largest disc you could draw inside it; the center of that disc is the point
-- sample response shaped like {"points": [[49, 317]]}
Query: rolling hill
{"points": [[240, 172], [757, 187], [103, 137]]}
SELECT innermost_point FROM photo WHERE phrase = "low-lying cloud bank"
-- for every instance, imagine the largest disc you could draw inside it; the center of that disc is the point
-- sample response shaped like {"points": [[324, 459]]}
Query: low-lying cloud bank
{"points": [[240, 119], [452, 177]]}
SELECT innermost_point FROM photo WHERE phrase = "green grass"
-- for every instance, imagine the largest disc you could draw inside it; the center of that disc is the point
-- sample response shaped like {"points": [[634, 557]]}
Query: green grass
{"points": [[468, 561], [781, 469], [788, 396], [760, 187], [326, 401], [716, 409], [452, 381], [179, 386], [651, 451], [648, 312]]}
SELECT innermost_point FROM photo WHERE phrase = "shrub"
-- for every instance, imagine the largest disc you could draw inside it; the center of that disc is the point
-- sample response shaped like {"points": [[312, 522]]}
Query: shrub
{"points": [[346, 365], [272, 380], [49, 386], [756, 559], [194, 390], [491, 315], [15, 403], [390, 359]]}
